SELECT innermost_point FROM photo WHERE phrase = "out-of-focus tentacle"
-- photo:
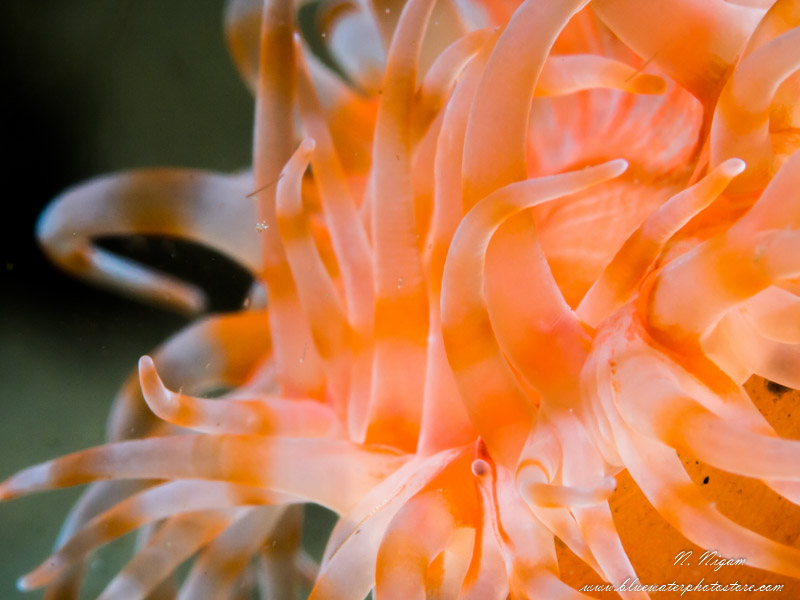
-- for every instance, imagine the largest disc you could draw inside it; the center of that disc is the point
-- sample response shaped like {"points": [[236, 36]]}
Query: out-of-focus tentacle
{"points": [[315, 287], [498, 408], [242, 33], [151, 505], [282, 563], [264, 415], [336, 474], [299, 366], [224, 559], [175, 541], [401, 303], [224, 350], [626, 270], [444, 418], [202, 207]]}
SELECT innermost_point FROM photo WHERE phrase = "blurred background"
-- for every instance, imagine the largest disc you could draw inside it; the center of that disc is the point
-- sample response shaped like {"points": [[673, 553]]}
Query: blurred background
{"points": [[92, 87]]}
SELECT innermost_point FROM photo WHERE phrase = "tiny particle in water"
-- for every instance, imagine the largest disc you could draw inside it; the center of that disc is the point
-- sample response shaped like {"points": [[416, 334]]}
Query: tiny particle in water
{"points": [[262, 226]]}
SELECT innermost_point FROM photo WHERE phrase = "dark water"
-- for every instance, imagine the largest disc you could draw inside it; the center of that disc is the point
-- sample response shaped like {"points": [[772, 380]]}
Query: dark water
{"points": [[93, 86]]}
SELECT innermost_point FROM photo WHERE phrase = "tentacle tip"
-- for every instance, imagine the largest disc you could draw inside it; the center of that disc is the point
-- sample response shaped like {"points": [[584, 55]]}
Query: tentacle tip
{"points": [[23, 585], [617, 167], [41, 575], [155, 393], [146, 365], [308, 144], [6, 493], [733, 166]]}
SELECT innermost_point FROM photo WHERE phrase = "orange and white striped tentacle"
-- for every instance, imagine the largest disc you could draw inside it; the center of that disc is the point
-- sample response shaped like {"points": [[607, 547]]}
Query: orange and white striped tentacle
{"points": [[499, 409], [401, 303], [299, 367]]}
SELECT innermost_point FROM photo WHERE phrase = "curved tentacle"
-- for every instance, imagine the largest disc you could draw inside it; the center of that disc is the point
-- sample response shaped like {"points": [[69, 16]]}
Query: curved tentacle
{"points": [[264, 415], [655, 31], [216, 351], [741, 120], [497, 406], [151, 505], [626, 270], [202, 207], [660, 475], [416, 535]]}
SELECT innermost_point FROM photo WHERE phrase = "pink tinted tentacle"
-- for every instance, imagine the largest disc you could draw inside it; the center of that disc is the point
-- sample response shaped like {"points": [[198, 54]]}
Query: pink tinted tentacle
{"points": [[570, 73], [151, 505], [175, 541], [499, 409], [299, 365], [266, 415], [636, 256], [318, 295], [195, 205], [336, 475], [242, 34], [216, 568], [401, 309], [218, 351], [282, 563]]}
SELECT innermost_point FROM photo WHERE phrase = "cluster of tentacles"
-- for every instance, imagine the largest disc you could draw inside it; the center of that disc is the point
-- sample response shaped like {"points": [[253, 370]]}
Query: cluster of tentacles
{"points": [[496, 269]]}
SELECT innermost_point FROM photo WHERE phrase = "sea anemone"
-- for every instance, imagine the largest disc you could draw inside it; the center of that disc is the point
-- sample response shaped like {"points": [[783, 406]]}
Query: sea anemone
{"points": [[512, 266]]}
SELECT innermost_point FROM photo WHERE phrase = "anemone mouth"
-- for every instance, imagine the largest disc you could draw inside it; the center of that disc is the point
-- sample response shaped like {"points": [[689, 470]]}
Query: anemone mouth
{"points": [[512, 287]]}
